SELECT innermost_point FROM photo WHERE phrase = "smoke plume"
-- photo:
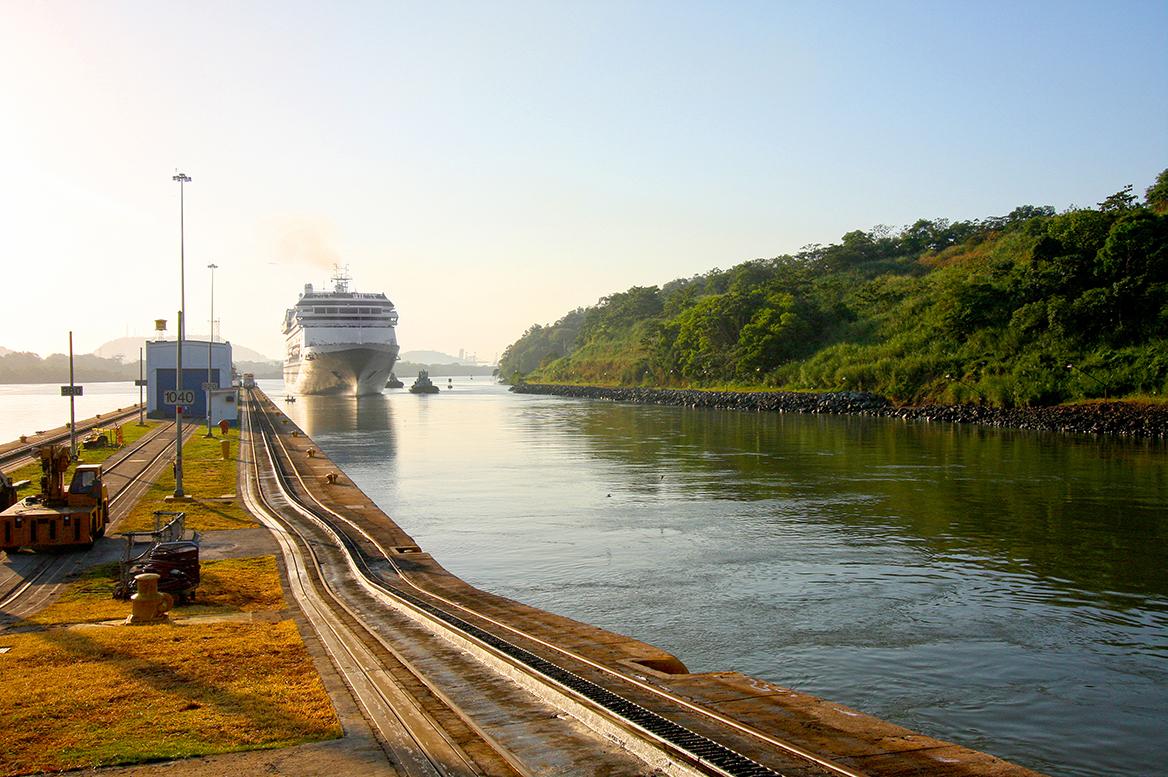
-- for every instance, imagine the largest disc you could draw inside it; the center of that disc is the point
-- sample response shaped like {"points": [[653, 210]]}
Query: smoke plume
{"points": [[307, 240]]}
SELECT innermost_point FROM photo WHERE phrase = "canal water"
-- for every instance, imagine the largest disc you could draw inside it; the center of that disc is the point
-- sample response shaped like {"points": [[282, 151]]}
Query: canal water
{"points": [[1004, 590], [32, 407]]}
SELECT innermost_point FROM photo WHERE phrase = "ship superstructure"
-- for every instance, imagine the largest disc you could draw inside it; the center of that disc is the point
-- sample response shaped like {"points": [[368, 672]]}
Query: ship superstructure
{"points": [[339, 341]]}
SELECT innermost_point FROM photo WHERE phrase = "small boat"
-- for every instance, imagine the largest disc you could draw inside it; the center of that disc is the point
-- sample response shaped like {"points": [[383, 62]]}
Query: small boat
{"points": [[289, 398], [393, 382], [423, 385]]}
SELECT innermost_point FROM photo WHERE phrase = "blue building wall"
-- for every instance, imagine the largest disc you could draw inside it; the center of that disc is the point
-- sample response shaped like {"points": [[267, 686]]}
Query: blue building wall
{"points": [[193, 380]]}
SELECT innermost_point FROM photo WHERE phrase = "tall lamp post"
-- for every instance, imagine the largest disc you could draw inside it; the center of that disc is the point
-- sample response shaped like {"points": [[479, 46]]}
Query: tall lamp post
{"points": [[210, 340], [182, 179]]}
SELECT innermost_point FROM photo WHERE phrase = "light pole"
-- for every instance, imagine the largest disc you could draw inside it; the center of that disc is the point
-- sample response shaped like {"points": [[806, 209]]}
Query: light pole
{"points": [[211, 339], [182, 179], [141, 385]]}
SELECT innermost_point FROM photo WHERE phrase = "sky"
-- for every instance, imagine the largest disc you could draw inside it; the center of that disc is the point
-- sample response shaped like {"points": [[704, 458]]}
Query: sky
{"points": [[490, 165]]}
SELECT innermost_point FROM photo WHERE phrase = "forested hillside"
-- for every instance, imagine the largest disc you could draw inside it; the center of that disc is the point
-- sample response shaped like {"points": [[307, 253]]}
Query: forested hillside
{"points": [[1032, 308]]}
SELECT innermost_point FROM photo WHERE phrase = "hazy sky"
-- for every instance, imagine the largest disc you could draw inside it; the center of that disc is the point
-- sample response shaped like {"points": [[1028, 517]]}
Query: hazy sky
{"points": [[490, 165]]}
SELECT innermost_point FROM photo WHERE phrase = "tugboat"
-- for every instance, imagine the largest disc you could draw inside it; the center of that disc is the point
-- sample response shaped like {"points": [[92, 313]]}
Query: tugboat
{"points": [[423, 385], [393, 382]]}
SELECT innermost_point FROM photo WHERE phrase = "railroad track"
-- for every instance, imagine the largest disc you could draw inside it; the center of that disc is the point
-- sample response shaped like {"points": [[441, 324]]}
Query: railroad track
{"points": [[423, 734], [23, 589], [604, 698], [24, 453]]}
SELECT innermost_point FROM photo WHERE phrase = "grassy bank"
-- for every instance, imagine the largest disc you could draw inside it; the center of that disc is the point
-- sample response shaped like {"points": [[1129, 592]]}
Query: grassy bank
{"points": [[92, 695]]}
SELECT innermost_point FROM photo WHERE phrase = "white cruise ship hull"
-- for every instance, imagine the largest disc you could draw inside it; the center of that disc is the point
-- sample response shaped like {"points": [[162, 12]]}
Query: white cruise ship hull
{"points": [[341, 369], [339, 341]]}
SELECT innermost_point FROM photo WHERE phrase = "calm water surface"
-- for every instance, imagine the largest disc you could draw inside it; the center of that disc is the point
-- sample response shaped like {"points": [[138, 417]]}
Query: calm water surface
{"points": [[32, 407], [1004, 590]]}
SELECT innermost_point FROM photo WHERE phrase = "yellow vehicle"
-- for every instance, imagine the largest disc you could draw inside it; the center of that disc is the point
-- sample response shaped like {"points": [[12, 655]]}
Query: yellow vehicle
{"points": [[7, 492], [58, 518]]}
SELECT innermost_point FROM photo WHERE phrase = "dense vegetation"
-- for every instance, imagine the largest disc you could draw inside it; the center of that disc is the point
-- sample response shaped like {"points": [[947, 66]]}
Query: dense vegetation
{"points": [[1032, 308], [27, 367]]}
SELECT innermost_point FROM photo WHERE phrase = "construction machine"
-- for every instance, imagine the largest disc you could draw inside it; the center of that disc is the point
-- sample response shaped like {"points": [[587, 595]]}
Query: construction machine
{"points": [[7, 492], [58, 517]]}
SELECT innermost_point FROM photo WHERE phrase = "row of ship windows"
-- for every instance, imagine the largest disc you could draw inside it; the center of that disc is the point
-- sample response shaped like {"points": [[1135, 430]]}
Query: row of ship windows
{"points": [[347, 311]]}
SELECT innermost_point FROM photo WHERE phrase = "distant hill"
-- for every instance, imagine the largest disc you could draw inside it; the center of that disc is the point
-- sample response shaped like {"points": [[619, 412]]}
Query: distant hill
{"points": [[128, 347], [102, 365], [429, 357], [408, 369]]}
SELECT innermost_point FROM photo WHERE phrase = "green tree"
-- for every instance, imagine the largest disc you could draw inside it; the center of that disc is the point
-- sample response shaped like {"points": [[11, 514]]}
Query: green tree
{"points": [[774, 334], [1156, 195], [1123, 200]]}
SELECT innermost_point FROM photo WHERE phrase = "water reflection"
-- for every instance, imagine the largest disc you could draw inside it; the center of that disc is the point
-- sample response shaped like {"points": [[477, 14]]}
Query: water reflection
{"points": [[357, 428], [993, 588], [1085, 515]]}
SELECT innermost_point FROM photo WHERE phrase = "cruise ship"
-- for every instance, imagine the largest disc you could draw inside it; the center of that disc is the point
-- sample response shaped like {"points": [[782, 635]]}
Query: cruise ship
{"points": [[339, 341]]}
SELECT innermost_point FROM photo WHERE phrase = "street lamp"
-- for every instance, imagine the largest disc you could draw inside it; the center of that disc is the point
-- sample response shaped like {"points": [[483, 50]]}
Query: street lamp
{"points": [[211, 339], [182, 179]]}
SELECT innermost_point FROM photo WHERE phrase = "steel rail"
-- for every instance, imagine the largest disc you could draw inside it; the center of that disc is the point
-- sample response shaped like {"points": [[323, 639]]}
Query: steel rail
{"points": [[695, 745], [678, 740], [342, 621], [141, 473], [13, 594], [54, 562]]}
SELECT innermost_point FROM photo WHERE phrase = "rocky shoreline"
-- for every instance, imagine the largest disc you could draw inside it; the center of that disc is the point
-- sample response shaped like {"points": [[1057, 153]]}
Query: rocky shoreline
{"points": [[1110, 418]]}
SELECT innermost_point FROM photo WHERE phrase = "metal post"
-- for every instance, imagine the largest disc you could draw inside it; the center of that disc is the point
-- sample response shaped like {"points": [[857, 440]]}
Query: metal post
{"points": [[141, 404], [178, 416], [182, 179], [212, 267], [72, 400]]}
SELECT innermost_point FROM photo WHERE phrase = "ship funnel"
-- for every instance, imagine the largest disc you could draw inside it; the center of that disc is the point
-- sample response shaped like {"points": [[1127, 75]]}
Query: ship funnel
{"points": [[308, 288]]}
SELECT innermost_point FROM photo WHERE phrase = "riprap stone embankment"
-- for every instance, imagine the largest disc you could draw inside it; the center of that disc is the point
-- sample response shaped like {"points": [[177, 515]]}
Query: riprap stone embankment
{"points": [[1122, 418]]}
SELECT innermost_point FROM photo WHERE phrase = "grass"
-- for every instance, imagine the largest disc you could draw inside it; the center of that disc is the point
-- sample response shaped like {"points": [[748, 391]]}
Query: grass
{"points": [[1131, 399], [227, 586], [97, 696], [131, 432], [208, 479], [92, 695]]}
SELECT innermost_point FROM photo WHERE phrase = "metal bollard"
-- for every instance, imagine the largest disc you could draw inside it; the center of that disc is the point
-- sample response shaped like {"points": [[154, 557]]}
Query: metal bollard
{"points": [[149, 606]]}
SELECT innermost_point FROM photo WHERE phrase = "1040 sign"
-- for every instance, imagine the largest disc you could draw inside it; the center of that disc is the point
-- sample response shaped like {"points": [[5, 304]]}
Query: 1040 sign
{"points": [[185, 397]]}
